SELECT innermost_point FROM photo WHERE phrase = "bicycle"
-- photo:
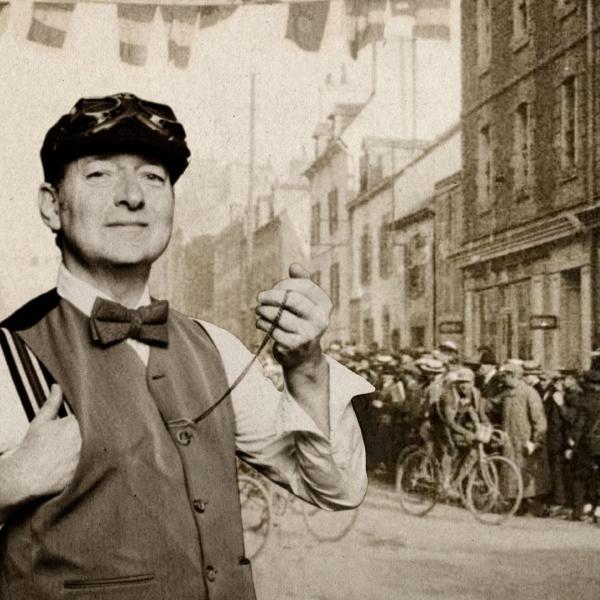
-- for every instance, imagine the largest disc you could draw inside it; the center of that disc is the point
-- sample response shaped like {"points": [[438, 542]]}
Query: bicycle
{"points": [[489, 485], [323, 525]]}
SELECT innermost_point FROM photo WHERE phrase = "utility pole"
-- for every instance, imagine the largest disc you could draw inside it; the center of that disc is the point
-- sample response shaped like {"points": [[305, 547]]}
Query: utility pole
{"points": [[250, 221]]}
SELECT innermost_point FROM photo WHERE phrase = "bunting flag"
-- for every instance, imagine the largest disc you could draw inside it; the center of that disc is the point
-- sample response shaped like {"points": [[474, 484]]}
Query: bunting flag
{"points": [[365, 21], [432, 19], [211, 15], [182, 21], [49, 23], [4, 10], [134, 32], [403, 8], [306, 24]]}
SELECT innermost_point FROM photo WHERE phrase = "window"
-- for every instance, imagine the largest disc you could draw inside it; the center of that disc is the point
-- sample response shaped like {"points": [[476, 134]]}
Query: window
{"points": [[365, 256], [332, 198], [568, 123], [315, 225], [484, 32], [386, 328], [522, 145], [334, 283], [417, 260], [484, 175], [385, 248], [520, 19], [368, 331]]}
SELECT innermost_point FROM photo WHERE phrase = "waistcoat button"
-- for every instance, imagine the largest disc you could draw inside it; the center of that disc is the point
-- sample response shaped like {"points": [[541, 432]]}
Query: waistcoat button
{"points": [[199, 505], [211, 573], [184, 437]]}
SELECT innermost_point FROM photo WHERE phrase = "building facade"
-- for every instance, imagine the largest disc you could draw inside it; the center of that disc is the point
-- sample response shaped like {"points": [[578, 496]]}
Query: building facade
{"points": [[530, 124]]}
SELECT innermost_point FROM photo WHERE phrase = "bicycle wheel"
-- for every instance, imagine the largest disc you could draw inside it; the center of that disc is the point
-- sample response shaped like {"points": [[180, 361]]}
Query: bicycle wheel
{"points": [[327, 525], [494, 490], [256, 514], [417, 483]]}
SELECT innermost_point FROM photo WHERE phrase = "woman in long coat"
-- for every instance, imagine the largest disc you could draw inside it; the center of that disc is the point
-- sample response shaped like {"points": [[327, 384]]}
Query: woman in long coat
{"points": [[524, 421]]}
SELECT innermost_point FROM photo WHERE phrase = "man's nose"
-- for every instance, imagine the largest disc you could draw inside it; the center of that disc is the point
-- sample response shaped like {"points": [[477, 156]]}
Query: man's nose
{"points": [[129, 192]]}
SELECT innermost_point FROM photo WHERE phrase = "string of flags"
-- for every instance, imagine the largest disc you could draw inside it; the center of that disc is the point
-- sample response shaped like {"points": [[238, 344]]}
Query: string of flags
{"points": [[306, 24]]}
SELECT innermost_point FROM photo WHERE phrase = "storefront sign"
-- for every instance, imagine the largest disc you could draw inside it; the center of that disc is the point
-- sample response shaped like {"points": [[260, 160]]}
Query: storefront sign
{"points": [[543, 322], [451, 327]]}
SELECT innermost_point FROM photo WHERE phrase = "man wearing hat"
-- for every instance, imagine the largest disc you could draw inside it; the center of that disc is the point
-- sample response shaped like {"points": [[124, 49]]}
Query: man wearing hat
{"points": [[524, 421], [586, 441], [134, 493]]}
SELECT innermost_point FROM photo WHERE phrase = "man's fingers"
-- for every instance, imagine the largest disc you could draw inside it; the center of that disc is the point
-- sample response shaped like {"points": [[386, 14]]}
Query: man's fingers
{"points": [[287, 321], [297, 271], [305, 287], [50, 408], [295, 303]]}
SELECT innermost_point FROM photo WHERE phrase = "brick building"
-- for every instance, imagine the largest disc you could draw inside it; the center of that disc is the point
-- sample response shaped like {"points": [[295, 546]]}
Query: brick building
{"points": [[530, 120]]}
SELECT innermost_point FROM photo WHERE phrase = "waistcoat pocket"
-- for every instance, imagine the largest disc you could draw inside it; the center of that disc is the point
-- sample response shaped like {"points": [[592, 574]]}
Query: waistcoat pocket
{"points": [[130, 587]]}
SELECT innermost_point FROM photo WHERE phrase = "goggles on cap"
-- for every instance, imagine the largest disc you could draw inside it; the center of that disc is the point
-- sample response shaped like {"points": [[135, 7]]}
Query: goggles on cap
{"points": [[92, 115], [114, 123]]}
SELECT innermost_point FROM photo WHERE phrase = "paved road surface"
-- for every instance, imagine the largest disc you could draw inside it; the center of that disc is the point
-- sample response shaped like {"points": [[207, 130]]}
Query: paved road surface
{"points": [[446, 555]]}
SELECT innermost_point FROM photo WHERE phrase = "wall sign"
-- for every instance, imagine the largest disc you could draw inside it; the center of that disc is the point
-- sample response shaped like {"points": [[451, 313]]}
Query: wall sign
{"points": [[451, 327], [543, 322]]}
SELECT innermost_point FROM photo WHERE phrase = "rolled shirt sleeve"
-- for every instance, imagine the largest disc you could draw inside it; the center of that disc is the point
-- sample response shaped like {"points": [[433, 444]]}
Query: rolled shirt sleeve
{"points": [[280, 439]]}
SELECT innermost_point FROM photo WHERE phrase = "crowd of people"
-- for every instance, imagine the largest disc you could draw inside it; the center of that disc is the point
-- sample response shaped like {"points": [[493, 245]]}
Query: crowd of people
{"points": [[551, 418]]}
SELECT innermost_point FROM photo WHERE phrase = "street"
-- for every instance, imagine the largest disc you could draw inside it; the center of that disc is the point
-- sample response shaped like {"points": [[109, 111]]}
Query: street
{"points": [[389, 555]]}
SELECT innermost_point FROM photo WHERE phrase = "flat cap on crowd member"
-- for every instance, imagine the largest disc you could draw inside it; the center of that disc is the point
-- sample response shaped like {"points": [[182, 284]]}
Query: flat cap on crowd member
{"points": [[448, 345], [532, 367], [118, 123], [429, 365], [463, 375], [512, 368]]}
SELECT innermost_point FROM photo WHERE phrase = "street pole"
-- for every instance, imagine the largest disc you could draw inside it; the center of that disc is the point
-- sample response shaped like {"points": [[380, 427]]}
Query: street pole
{"points": [[250, 222], [413, 53]]}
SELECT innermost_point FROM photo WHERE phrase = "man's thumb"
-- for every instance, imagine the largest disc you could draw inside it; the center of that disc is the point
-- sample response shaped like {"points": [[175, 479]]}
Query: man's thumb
{"points": [[51, 407], [298, 272]]}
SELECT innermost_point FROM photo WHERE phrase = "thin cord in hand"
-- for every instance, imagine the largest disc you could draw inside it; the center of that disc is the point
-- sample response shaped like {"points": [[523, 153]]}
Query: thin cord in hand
{"points": [[238, 379]]}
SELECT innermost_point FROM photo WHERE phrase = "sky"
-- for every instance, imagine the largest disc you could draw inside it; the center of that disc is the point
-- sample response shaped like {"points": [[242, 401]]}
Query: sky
{"points": [[211, 97]]}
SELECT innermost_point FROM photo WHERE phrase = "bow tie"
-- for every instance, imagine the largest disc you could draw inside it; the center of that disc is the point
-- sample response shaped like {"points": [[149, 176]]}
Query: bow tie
{"points": [[111, 322]]}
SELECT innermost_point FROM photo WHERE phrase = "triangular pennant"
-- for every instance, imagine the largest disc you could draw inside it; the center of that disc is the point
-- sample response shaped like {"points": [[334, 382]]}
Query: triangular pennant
{"points": [[365, 22], [403, 7], [306, 24], [134, 32], [211, 15], [49, 23], [182, 21], [4, 13]]}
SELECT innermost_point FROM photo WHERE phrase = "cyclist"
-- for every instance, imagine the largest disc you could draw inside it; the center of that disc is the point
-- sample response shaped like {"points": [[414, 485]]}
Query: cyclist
{"points": [[458, 421]]}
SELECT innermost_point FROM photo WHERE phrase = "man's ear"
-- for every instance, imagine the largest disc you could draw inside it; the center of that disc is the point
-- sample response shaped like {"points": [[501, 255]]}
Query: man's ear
{"points": [[48, 203]]}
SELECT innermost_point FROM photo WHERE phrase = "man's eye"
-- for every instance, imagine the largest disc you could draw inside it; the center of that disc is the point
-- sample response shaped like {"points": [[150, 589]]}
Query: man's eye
{"points": [[98, 174], [154, 177]]}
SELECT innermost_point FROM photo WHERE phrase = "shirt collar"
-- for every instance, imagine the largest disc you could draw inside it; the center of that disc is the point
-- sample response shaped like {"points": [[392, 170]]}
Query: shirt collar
{"points": [[82, 295]]}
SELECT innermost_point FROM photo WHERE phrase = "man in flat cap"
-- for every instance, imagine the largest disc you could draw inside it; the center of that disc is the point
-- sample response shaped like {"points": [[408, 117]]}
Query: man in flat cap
{"points": [[117, 465]]}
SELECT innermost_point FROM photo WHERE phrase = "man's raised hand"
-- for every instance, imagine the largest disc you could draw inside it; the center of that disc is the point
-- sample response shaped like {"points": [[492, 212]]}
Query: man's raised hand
{"points": [[303, 320]]}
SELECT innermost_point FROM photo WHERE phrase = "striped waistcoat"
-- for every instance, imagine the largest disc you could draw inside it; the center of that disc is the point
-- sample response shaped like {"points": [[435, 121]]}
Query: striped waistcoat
{"points": [[152, 512]]}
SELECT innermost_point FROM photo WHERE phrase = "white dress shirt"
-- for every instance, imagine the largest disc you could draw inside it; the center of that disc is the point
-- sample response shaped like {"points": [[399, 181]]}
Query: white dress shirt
{"points": [[273, 431]]}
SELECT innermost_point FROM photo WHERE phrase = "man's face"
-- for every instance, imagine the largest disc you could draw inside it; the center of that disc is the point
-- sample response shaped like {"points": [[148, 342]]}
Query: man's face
{"points": [[464, 387], [114, 210]]}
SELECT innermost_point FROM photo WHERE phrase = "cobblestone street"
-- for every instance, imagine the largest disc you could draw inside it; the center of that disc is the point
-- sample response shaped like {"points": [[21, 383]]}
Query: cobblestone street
{"points": [[449, 555]]}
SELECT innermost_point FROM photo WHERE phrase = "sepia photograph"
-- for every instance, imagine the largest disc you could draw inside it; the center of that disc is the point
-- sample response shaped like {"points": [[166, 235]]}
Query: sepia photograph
{"points": [[299, 300]]}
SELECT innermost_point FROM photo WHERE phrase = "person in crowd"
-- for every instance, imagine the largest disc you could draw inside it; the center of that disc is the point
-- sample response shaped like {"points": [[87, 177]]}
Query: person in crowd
{"points": [[491, 384], [524, 421], [552, 393], [456, 423], [531, 374], [586, 447], [451, 353]]}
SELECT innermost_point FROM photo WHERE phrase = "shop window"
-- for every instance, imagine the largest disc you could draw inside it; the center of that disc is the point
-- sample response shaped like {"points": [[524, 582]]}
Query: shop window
{"points": [[385, 328]]}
